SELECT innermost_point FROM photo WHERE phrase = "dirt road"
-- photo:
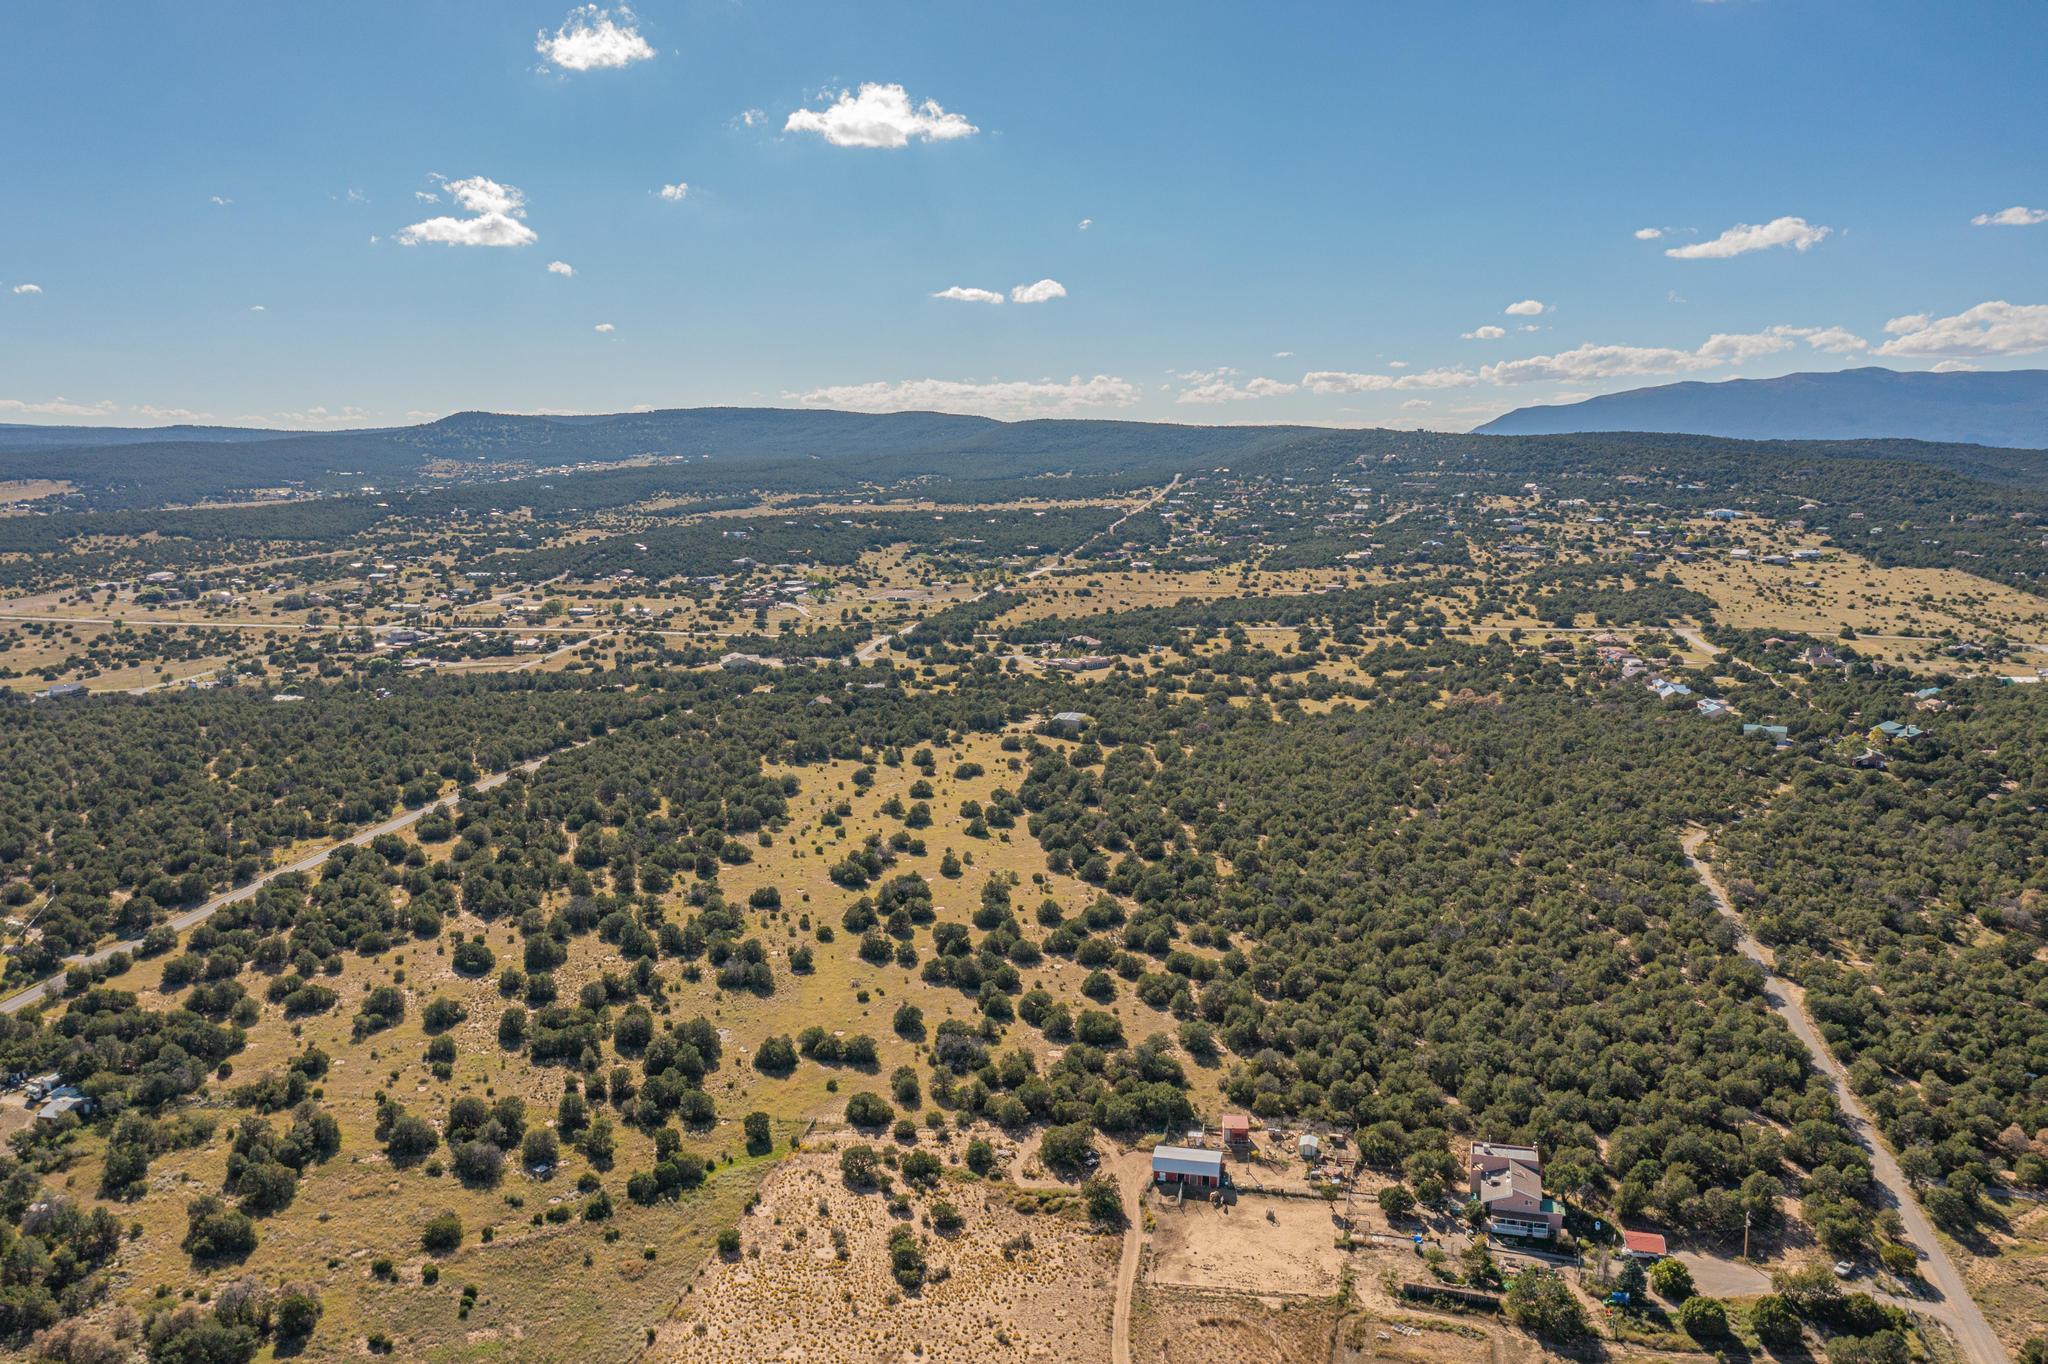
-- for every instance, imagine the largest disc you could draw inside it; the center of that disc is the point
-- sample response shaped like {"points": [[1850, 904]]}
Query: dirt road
{"points": [[1952, 1304], [43, 989], [1132, 1173]]}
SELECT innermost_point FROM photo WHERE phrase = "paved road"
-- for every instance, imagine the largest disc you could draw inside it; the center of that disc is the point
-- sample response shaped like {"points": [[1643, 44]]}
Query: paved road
{"points": [[1951, 1303], [45, 988]]}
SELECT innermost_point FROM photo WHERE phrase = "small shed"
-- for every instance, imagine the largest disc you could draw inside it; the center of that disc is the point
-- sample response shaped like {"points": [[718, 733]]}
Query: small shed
{"points": [[1187, 1165], [1643, 1245], [1309, 1146], [1237, 1132]]}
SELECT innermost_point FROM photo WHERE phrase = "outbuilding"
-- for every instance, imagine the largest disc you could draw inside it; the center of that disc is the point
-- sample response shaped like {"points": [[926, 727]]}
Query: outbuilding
{"points": [[1188, 1165], [1643, 1245]]}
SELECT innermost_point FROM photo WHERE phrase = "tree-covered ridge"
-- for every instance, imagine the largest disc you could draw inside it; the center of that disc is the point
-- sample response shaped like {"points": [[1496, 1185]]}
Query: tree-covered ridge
{"points": [[124, 807], [1438, 923], [1910, 903]]}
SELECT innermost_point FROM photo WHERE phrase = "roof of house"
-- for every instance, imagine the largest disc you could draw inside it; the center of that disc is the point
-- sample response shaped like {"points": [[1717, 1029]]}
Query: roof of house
{"points": [[1506, 1150], [1237, 1122], [1643, 1242], [1516, 1180], [1186, 1160]]}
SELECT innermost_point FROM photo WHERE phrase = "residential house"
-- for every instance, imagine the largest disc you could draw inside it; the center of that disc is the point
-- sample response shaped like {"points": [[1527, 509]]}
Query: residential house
{"points": [[1507, 1181]]}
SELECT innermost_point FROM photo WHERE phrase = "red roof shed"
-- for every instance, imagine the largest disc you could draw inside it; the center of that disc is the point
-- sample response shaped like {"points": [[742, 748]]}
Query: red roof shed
{"points": [[1647, 1244]]}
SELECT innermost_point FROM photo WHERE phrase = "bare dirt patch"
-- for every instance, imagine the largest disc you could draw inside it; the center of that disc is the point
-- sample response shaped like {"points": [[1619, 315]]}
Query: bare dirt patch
{"points": [[1259, 1245], [1010, 1285]]}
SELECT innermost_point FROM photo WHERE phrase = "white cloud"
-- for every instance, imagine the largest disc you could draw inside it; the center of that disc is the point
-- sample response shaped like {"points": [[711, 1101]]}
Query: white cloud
{"points": [[220, 200], [1338, 381], [1840, 340], [320, 416], [1283, 354], [171, 414], [28, 288], [1648, 234], [561, 267], [1995, 328], [962, 294], [1591, 362], [590, 39], [356, 196], [256, 308], [497, 209], [879, 116], [426, 196], [1087, 223], [606, 327], [1044, 291], [674, 193], [1796, 233], [1487, 333], [998, 398], [1955, 367], [1220, 386], [1416, 404], [748, 118], [53, 407], [1528, 307], [2016, 216]]}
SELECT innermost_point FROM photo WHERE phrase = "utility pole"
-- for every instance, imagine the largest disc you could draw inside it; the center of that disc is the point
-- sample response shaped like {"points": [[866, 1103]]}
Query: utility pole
{"points": [[1745, 1233]]}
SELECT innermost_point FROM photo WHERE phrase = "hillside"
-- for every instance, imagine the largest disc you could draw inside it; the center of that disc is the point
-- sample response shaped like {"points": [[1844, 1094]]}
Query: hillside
{"points": [[2005, 409]]}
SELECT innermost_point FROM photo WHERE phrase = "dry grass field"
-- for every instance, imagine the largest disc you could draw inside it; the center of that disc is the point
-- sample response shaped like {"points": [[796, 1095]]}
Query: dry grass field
{"points": [[1022, 1279]]}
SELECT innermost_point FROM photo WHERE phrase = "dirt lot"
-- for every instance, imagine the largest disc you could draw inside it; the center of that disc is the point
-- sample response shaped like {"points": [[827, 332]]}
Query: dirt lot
{"points": [[1261, 1245], [1015, 1286], [2011, 1284]]}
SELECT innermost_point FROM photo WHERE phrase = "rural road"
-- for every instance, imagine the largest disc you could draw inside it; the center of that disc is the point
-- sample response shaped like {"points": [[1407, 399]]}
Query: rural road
{"points": [[1130, 1178], [45, 988], [1952, 1304]]}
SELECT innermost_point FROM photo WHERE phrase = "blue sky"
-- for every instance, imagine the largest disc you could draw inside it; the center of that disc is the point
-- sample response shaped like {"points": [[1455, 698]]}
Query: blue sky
{"points": [[1294, 212]]}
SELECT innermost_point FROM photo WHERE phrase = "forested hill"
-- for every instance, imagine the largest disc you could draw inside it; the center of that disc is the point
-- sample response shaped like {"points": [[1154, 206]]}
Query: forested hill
{"points": [[2005, 409], [722, 451], [857, 446]]}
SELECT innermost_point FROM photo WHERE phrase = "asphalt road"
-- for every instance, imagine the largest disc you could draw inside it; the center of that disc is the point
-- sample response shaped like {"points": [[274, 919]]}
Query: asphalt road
{"points": [[1951, 1303], [47, 987]]}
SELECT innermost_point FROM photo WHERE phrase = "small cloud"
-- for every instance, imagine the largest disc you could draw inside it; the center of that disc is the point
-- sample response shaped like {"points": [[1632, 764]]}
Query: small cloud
{"points": [[879, 116], [1673, 296], [1042, 292], [426, 196], [590, 39], [2016, 216], [1528, 307], [1283, 355], [1488, 333], [1087, 223], [1529, 327], [993, 398], [561, 267], [749, 118], [257, 308], [1743, 238], [356, 196], [962, 294], [497, 211], [674, 193], [605, 327], [1416, 404], [28, 288], [220, 200], [1648, 234], [1955, 367]]}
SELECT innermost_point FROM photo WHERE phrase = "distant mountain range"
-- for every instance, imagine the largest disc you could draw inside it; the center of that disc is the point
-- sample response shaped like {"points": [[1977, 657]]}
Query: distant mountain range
{"points": [[2007, 408]]}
